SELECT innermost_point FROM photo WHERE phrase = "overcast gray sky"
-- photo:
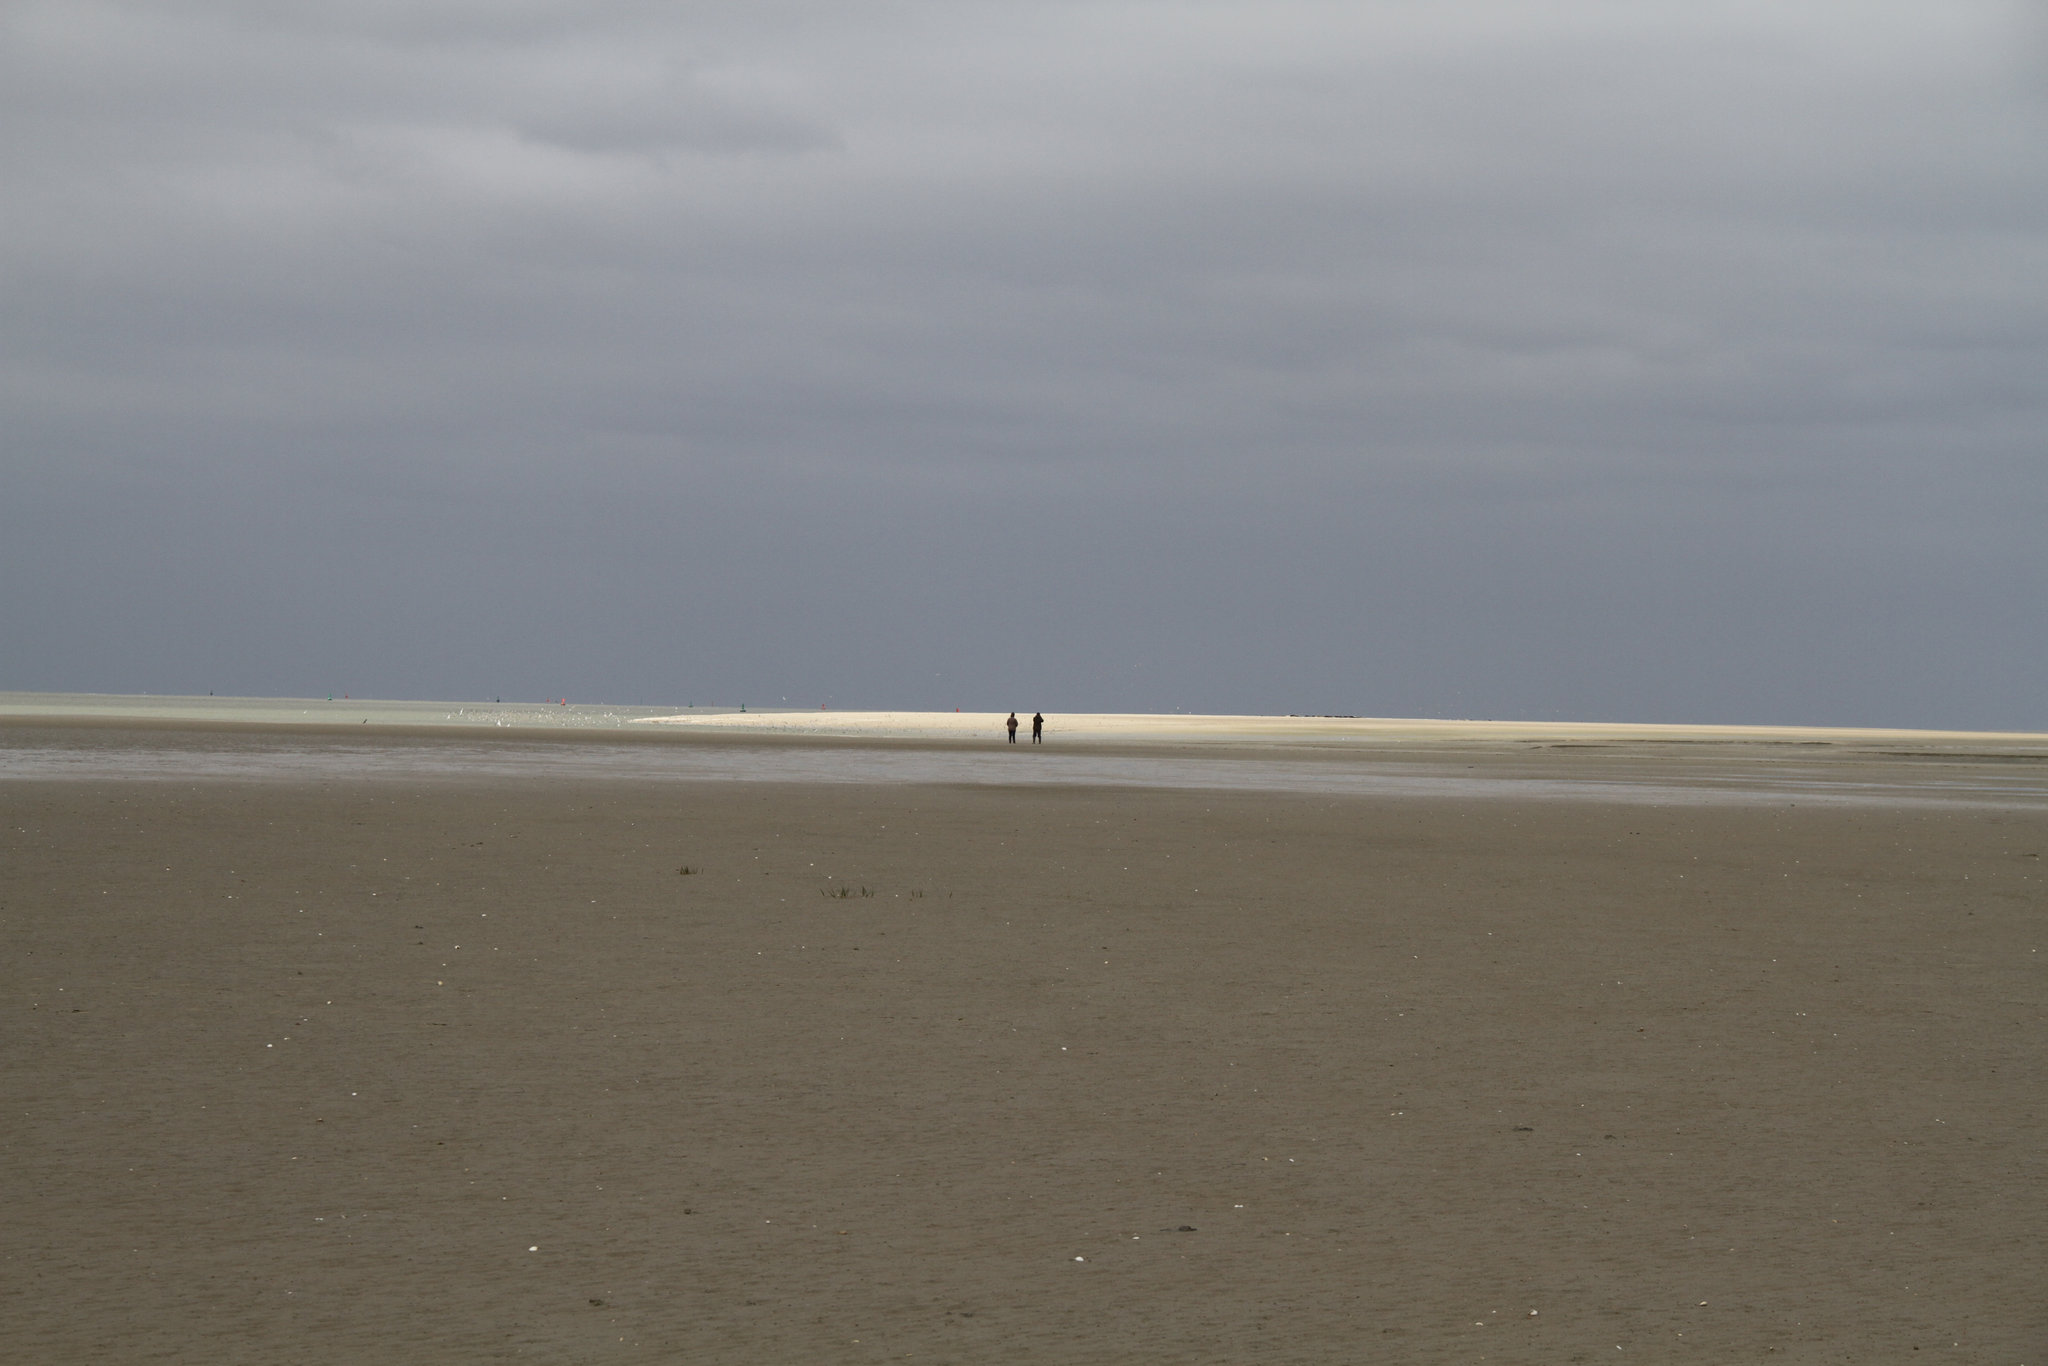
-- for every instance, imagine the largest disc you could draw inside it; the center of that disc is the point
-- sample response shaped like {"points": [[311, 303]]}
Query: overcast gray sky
{"points": [[1634, 361]]}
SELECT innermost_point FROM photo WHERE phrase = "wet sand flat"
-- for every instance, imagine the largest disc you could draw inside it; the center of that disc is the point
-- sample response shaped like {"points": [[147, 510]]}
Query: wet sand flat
{"points": [[328, 1070]]}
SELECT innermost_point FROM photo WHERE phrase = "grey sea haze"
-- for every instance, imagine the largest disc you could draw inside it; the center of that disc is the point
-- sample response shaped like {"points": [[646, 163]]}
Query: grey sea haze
{"points": [[557, 714]]}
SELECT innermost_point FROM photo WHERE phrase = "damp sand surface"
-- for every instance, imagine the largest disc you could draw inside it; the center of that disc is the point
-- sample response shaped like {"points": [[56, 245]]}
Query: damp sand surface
{"points": [[458, 1063]]}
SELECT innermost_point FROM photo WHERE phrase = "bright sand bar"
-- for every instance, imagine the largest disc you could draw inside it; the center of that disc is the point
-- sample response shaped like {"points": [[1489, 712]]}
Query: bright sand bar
{"points": [[424, 1066], [1180, 729]]}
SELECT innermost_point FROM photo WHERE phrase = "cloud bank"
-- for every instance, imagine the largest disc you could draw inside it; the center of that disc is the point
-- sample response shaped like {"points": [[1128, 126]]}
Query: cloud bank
{"points": [[1635, 362]]}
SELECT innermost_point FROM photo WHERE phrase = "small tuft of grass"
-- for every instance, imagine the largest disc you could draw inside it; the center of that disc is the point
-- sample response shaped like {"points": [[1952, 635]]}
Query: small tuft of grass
{"points": [[687, 871]]}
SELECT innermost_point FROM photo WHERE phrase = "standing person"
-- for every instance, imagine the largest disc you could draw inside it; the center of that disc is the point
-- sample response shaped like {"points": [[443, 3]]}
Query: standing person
{"points": [[1038, 728], [1012, 724]]}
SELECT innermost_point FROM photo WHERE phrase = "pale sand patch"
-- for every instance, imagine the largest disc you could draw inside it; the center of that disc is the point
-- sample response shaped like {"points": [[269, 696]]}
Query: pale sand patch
{"points": [[1317, 730]]}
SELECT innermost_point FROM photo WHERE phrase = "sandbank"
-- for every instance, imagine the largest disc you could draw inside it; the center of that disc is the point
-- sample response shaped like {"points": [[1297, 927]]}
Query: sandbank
{"points": [[1180, 728]]}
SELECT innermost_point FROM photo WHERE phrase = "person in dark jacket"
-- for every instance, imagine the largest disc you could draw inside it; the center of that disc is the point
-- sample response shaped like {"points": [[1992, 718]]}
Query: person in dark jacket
{"points": [[1012, 725], [1038, 728]]}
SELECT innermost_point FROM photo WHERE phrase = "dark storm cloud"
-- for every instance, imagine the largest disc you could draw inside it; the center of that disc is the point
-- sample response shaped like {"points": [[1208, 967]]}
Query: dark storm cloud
{"points": [[1634, 360]]}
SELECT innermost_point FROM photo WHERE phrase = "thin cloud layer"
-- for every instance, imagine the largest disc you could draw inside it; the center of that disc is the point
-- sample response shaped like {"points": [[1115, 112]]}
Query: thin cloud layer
{"points": [[1305, 328]]}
